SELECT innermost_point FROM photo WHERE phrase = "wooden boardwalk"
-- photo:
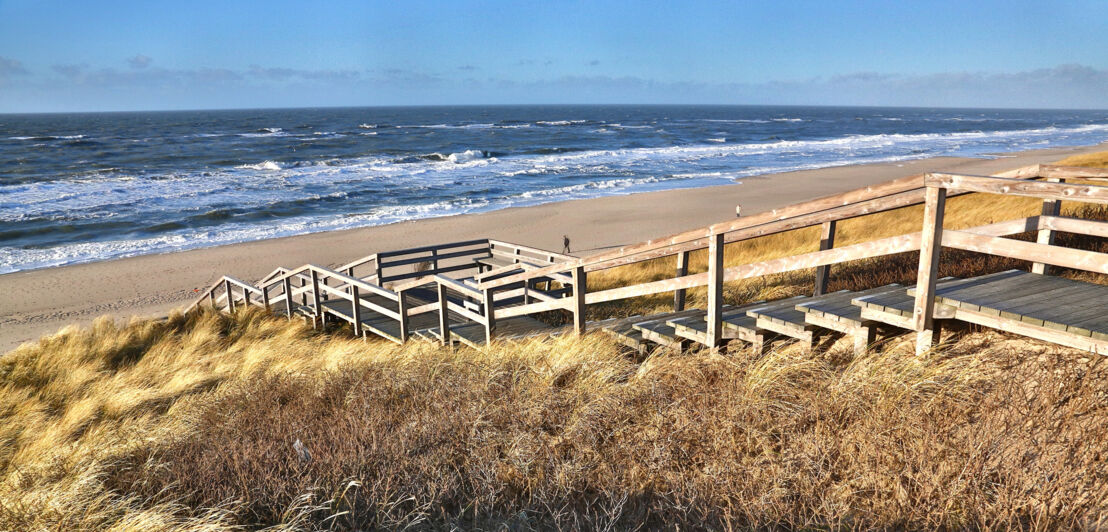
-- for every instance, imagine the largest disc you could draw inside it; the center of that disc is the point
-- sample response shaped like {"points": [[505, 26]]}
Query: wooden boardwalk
{"points": [[474, 291]]}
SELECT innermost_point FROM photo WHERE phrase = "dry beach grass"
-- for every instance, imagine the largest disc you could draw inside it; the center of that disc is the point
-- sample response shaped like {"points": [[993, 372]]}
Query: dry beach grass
{"points": [[192, 423]]}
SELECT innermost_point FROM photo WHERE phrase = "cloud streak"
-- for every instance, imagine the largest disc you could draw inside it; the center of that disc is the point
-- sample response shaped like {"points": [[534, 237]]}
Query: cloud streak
{"points": [[1074, 86]]}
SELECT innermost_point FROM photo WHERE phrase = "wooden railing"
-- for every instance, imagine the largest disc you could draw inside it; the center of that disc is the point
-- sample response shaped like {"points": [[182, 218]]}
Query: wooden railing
{"points": [[307, 288], [1042, 253], [513, 271], [824, 212]]}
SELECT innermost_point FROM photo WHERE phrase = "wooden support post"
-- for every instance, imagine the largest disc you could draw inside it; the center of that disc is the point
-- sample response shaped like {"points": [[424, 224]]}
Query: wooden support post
{"points": [[490, 315], [350, 273], [930, 248], [230, 296], [444, 317], [682, 270], [715, 291], [265, 299], [288, 297], [245, 297], [402, 309], [211, 296], [434, 260], [579, 290], [826, 242], [356, 310], [1046, 236], [316, 300]]}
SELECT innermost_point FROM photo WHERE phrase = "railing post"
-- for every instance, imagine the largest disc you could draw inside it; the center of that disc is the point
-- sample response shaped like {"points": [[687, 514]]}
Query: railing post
{"points": [[288, 296], [356, 310], [927, 331], [245, 297], [211, 297], [579, 289], [377, 269], [265, 298], [434, 260], [714, 318], [682, 270], [402, 309], [490, 315], [1046, 236], [230, 296], [826, 242], [444, 318], [317, 321]]}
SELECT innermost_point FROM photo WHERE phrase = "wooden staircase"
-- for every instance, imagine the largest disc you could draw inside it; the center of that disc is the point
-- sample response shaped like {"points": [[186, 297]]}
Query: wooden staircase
{"points": [[474, 291]]}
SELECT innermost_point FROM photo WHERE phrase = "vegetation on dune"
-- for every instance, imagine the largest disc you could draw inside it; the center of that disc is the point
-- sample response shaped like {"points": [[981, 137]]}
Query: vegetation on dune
{"points": [[217, 422]]}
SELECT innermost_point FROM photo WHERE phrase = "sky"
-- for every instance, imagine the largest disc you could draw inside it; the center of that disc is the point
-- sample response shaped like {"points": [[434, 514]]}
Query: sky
{"points": [[67, 56]]}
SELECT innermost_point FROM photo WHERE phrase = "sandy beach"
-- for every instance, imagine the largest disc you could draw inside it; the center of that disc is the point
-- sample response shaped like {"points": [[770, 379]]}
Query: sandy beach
{"points": [[34, 303]]}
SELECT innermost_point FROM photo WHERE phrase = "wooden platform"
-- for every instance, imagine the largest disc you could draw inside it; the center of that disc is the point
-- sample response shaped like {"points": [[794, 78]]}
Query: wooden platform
{"points": [[1050, 302]]}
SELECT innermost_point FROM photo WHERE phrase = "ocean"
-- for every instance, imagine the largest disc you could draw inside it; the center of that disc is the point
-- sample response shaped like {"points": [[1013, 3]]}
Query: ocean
{"points": [[86, 187]]}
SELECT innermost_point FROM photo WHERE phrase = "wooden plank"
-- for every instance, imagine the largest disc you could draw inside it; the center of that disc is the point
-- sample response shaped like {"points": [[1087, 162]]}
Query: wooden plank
{"points": [[416, 275], [534, 308], [715, 291], [930, 247], [424, 249], [1018, 187], [1075, 225], [1046, 235], [1071, 172], [578, 300], [534, 250], [367, 303], [1086, 343], [444, 317], [1016, 249], [356, 310], [490, 314], [682, 270], [826, 241], [436, 257]]}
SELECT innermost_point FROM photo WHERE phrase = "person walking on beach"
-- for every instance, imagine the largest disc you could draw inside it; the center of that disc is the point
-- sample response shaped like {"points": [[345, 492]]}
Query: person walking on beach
{"points": [[565, 243]]}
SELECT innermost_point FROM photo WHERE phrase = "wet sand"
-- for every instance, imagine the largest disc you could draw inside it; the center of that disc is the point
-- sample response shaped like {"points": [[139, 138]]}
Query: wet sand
{"points": [[39, 302]]}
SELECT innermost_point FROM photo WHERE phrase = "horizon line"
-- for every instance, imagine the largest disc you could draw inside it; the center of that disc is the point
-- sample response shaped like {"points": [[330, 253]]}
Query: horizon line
{"points": [[470, 105]]}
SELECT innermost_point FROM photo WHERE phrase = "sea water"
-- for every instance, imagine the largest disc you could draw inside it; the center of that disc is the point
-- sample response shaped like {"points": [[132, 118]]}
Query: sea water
{"points": [[85, 187]]}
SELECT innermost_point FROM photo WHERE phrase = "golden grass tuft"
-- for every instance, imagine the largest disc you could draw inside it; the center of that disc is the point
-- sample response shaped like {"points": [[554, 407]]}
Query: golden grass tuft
{"points": [[192, 423]]}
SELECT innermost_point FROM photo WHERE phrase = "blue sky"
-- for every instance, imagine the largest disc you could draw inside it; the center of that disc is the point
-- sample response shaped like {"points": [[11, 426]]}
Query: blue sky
{"points": [[74, 56]]}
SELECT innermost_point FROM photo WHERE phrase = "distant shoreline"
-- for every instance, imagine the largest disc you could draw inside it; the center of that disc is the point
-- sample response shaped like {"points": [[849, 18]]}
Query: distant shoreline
{"points": [[39, 302]]}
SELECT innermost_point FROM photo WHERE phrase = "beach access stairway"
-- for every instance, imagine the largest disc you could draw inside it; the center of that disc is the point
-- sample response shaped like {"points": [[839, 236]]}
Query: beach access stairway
{"points": [[476, 291]]}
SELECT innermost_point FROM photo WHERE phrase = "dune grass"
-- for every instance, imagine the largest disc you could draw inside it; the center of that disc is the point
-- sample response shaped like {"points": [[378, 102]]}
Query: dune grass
{"points": [[217, 422]]}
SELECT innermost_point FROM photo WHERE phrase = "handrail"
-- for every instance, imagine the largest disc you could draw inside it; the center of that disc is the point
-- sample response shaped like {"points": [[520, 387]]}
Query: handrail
{"points": [[901, 192], [1016, 187], [358, 262]]}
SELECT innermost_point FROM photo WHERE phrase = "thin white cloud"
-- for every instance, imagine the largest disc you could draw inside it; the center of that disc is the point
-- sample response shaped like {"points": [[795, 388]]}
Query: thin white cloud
{"points": [[140, 61]]}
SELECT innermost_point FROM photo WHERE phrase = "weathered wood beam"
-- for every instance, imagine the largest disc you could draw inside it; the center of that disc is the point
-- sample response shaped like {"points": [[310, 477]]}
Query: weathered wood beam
{"points": [[923, 318], [579, 293], [1017, 187], [682, 270], [1016, 249], [714, 318], [826, 241], [1046, 235], [1075, 225]]}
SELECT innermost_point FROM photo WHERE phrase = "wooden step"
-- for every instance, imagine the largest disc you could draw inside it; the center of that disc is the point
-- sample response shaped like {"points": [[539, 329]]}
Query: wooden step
{"points": [[836, 312], [695, 327], [623, 329], [782, 318], [896, 306]]}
